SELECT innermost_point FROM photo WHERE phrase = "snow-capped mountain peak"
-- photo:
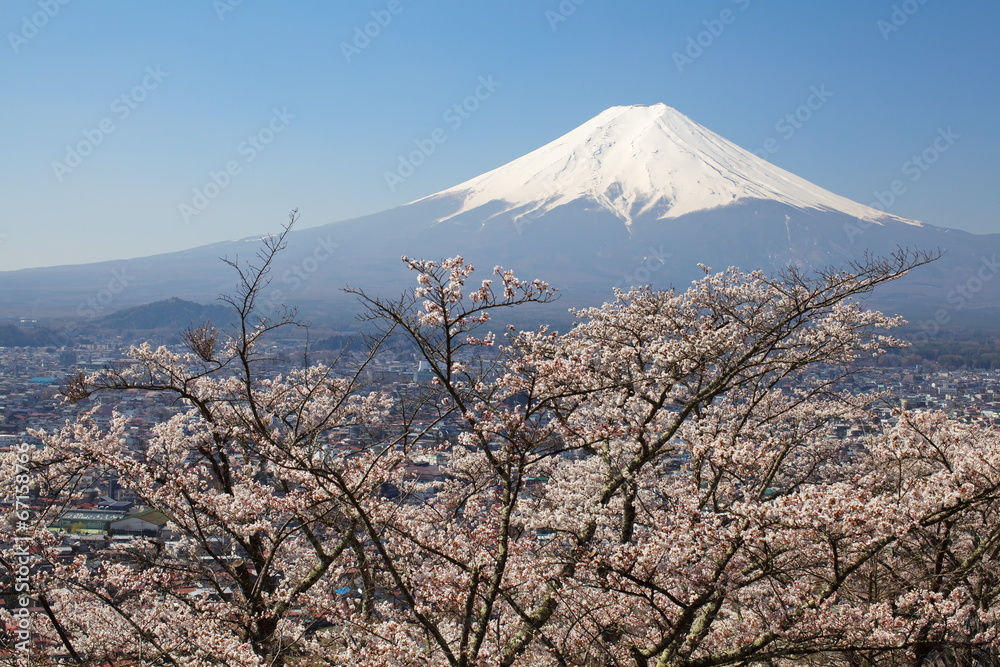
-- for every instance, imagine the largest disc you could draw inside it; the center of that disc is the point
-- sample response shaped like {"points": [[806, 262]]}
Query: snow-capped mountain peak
{"points": [[645, 161]]}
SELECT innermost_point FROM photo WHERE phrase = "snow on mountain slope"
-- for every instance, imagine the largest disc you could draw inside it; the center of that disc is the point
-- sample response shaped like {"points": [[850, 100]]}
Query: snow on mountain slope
{"points": [[645, 160]]}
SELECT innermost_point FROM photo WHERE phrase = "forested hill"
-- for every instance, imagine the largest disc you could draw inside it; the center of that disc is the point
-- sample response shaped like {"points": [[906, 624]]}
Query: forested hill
{"points": [[173, 314], [14, 336]]}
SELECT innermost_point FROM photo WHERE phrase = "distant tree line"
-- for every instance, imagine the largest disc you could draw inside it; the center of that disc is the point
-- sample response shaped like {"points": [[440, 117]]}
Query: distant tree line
{"points": [[969, 349]]}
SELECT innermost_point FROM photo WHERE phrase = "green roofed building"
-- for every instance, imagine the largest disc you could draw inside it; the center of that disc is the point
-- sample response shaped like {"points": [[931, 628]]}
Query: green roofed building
{"points": [[86, 522]]}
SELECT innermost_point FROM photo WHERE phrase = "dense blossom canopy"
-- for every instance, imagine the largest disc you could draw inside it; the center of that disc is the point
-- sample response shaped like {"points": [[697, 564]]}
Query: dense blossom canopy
{"points": [[663, 484]]}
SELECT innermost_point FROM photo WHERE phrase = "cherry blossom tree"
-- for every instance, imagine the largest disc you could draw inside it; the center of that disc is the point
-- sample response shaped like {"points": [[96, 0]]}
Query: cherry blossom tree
{"points": [[663, 484], [230, 470]]}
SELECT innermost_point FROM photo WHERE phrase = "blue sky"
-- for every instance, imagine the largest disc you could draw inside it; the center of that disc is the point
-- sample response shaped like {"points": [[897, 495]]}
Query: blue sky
{"points": [[117, 114]]}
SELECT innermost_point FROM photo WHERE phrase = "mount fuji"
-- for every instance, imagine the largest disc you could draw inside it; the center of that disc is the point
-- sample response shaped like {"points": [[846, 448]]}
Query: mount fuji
{"points": [[637, 195], [645, 162]]}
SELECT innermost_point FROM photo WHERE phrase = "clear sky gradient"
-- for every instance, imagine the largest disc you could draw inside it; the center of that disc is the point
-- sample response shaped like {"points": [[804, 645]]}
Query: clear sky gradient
{"points": [[115, 112]]}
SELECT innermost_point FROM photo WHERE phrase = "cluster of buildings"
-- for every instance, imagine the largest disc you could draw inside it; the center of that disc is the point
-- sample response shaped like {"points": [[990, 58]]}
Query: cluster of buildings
{"points": [[971, 396]]}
